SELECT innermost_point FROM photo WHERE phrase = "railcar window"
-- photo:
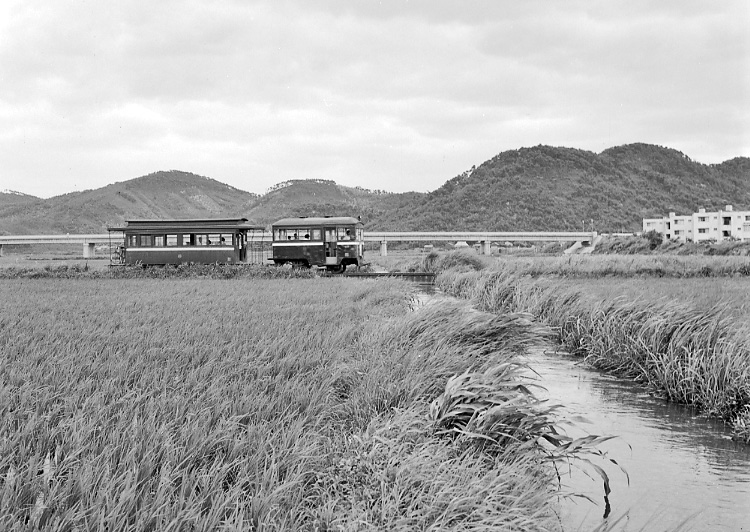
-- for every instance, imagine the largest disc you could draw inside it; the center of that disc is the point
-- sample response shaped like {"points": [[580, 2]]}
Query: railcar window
{"points": [[226, 239], [201, 240], [316, 234], [171, 240], [159, 241], [280, 234], [146, 241], [132, 241], [360, 235], [185, 240], [214, 239], [344, 233]]}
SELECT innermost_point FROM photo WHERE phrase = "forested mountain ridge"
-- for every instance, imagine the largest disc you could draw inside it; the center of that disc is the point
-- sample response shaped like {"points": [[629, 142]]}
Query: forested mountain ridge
{"points": [[165, 194], [548, 188], [529, 189]]}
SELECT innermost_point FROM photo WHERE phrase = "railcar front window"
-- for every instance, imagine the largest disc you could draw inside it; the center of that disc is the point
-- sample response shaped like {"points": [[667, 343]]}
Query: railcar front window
{"points": [[360, 234], [280, 234], [345, 233]]}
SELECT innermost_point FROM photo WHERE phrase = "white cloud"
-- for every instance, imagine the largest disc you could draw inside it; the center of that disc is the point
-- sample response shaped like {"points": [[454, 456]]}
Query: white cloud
{"points": [[394, 95]]}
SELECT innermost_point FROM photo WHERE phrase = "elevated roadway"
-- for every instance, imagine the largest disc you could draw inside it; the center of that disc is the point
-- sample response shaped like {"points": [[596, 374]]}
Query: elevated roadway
{"points": [[483, 237], [89, 242]]}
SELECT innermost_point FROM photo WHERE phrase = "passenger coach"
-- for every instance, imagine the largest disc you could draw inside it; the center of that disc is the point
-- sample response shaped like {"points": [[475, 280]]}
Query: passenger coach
{"points": [[152, 242], [330, 242]]}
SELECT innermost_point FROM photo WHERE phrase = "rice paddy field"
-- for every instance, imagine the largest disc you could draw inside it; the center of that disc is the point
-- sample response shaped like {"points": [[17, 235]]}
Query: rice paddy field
{"points": [[197, 404]]}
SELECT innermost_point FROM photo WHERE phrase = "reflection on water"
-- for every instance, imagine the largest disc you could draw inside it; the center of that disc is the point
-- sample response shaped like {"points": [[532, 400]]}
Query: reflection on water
{"points": [[679, 464]]}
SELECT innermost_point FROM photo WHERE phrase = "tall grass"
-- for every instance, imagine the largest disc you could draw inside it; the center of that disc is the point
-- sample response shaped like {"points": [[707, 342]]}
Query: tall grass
{"points": [[691, 355], [141, 404], [589, 266]]}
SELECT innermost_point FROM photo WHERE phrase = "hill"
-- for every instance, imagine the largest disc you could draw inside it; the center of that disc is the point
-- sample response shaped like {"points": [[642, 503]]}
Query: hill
{"points": [[538, 188], [11, 197], [318, 197], [549, 188], [166, 194]]}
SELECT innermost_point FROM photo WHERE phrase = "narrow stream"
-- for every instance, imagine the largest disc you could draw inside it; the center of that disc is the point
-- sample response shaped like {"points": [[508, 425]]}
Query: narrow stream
{"points": [[681, 466]]}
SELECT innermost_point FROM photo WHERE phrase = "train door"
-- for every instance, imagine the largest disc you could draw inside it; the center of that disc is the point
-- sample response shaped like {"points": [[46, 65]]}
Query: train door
{"points": [[330, 246], [241, 238]]}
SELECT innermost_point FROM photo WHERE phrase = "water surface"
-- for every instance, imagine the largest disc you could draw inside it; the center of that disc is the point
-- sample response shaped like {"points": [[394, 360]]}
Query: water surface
{"points": [[680, 464]]}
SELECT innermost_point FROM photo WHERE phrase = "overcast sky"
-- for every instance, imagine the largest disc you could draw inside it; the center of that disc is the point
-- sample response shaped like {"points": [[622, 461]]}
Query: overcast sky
{"points": [[394, 95]]}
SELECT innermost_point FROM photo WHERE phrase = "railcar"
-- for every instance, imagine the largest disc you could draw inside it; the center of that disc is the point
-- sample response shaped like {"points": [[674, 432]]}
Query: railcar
{"points": [[332, 242], [205, 241]]}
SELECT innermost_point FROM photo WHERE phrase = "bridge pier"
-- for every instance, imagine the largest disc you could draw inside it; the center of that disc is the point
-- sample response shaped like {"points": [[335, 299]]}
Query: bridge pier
{"points": [[89, 250], [485, 247], [383, 248]]}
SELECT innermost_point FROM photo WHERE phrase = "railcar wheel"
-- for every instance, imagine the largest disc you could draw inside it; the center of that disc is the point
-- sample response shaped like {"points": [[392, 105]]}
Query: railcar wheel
{"points": [[341, 268]]}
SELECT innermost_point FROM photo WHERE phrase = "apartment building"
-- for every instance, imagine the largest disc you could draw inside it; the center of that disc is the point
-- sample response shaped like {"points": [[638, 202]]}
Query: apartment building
{"points": [[726, 224]]}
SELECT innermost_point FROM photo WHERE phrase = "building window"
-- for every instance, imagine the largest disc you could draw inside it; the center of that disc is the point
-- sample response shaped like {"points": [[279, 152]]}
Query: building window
{"points": [[703, 230], [727, 220], [701, 218]]}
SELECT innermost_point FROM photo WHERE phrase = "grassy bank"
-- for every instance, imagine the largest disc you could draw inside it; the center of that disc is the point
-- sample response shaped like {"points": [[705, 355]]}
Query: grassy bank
{"points": [[691, 349], [315, 404]]}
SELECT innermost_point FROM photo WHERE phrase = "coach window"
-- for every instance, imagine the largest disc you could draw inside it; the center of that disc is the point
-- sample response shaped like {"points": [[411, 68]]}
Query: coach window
{"points": [[145, 241], [159, 241], [171, 240]]}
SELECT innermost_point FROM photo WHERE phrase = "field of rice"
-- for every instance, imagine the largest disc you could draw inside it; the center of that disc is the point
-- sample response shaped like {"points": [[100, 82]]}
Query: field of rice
{"points": [[267, 404]]}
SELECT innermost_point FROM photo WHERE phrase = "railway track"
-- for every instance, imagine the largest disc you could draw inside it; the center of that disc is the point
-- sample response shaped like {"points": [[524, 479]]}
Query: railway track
{"points": [[417, 277]]}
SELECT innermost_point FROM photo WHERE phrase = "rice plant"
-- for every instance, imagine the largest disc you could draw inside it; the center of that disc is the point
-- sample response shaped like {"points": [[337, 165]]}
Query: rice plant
{"points": [[206, 404]]}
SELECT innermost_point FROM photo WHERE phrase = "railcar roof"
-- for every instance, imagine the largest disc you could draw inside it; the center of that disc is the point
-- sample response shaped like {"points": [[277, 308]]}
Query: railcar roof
{"points": [[318, 220], [201, 223]]}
